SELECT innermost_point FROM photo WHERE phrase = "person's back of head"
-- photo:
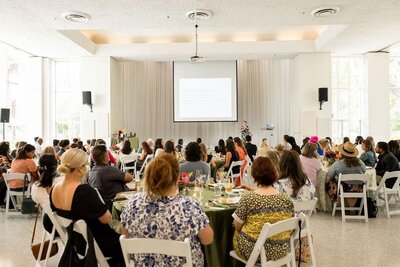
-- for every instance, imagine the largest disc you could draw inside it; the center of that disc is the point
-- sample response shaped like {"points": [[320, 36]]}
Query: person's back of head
{"points": [[64, 143], [21, 154], [47, 169], [4, 148], [126, 147], [74, 145], [310, 150], [358, 140], [169, 147], [49, 150], [80, 144], [274, 158], [393, 146], [291, 140], [161, 175], [180, 141], [56, 142], [279, 148], [99, 153], [75, 140], [264, 171], [71, 160], [290, 167], [193, 152], [345, 140], [305, 140], [383, 145], [264, 143], [100, 142], [198, 140], [248, 138], [36, 138], [93, 142], [158, 144]]}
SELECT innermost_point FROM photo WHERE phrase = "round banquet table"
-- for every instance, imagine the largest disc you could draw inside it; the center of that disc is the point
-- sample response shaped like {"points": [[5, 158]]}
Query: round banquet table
{"points": [[215, 254], [324, 202]]}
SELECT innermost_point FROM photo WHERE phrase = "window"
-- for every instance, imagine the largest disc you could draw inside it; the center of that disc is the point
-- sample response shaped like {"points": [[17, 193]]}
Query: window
{"points": [[394, 97], [67, 99], [348, 96]]}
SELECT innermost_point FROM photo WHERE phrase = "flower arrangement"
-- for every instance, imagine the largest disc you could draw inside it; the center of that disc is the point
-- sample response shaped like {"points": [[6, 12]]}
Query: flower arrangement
{"points": [[330, 157], [184, 183]]}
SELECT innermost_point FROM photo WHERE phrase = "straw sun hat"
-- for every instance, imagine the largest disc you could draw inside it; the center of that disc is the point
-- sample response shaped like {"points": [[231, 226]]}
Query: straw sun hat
{"points": [[348, 149]]}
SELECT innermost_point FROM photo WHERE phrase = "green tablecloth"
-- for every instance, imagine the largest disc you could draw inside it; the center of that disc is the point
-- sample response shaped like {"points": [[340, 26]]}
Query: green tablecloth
{"points": [[216, 254]]}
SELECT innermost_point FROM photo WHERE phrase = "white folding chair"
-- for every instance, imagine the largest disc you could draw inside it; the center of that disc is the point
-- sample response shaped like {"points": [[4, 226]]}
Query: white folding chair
{"points": [[141, 171], [384, 193], [360, 179], [155, 246], [125, 160], [270, 230], [11, 194], [247, 179], [79, 227], [234, 176], [307, 207]]}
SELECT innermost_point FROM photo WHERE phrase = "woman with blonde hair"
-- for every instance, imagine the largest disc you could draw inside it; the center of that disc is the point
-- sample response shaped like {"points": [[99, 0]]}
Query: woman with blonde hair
{"points": [[162, 214], [72, 200], [263, 148]]}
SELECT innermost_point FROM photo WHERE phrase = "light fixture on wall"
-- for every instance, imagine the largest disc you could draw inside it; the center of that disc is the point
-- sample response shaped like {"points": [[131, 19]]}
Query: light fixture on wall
{"points": [[87, 99]]}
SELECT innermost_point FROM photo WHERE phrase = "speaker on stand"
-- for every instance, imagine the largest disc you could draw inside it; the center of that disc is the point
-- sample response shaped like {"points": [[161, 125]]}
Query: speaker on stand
{"points": [[4, 118], [87, 99], [322, 96]]}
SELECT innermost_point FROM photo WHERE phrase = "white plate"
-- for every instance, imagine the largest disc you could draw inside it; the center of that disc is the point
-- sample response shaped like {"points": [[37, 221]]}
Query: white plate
{"points": [[227, 200], [238, 190]]}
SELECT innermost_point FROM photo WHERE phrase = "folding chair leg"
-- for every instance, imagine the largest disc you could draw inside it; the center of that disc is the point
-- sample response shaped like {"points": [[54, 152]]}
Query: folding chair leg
{"points": [[41, 249], [334, 209], [7, 202], [365, 207], [387, 206], [343, 208]]}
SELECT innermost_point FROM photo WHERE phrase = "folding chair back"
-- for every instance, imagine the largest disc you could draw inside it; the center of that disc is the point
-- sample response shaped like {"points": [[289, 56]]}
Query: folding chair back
{"points": [[360, 179], [125, 159], [140, 173], [155, 246], [234, 176], [11, 194], [384, 193], [79, 227], [270, 230]]}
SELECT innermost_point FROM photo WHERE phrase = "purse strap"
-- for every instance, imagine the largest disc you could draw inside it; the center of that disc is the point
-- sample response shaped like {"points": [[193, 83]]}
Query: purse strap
{"points": [[23, 188], [34, 227]]}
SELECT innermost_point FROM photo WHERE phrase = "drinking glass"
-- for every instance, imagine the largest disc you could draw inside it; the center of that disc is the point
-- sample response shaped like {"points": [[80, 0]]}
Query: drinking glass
{"points": [[198, 194]]}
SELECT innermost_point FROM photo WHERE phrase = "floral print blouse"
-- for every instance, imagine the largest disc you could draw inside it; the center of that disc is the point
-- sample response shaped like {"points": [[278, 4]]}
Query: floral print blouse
{"points": [[305, 193], [169, 217]]}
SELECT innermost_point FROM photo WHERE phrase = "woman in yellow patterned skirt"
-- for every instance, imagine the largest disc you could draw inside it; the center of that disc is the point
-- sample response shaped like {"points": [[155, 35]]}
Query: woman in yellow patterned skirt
{"points": [[263, 205]]}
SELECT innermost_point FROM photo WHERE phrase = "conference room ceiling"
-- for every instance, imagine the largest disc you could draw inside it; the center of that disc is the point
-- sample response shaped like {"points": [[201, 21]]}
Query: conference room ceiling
{"points": [[159, 30]]}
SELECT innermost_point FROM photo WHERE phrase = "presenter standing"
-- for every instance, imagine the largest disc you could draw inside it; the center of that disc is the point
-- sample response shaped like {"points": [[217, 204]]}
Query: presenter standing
{"points": [[244, 130]]}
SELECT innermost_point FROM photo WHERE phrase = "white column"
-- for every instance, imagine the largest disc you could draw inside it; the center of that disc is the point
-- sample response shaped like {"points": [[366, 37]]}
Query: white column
{"points": [[95, 77], [312, 71], [377, 82]]}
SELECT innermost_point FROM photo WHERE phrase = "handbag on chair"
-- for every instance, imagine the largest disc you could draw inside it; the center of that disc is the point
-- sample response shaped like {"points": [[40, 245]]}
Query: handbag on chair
{"points": [[36, 247], [28, 206]]}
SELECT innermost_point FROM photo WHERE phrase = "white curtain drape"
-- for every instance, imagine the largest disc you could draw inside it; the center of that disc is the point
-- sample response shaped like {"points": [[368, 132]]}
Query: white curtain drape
{"points": [[265, 95]]}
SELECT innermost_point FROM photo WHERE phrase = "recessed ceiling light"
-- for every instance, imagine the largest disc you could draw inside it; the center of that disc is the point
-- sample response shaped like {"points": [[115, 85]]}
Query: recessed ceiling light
{"points": [[75, 16], [323, 12], [200, 13]]}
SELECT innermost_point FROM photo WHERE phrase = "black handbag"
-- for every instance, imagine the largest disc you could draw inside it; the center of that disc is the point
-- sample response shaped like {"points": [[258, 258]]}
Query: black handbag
{"points": [[372, 208], [28, 206]]}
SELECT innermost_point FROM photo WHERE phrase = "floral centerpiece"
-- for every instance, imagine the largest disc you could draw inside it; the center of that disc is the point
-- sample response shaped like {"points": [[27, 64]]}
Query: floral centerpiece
{"points": [[330, 157], [184, 183]]}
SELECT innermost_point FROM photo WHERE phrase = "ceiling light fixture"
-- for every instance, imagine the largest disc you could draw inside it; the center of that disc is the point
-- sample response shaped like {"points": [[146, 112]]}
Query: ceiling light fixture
{"points": [[196, 58], [203, 14], [323, 12], [75, 16]]}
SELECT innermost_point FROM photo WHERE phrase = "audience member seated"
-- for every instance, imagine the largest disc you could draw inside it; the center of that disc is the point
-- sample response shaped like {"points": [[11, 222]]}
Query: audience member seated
{"points": [[275, 158], [64, 146], [279, 148], [80, 146], [169, 148], [387, 162], [18, 146], [56, 142], [358, 144], [127, 150], [110, 156], [108, 180], [221, 147], [368, 157], [72, 200], [242, 153], [264, 205], [292, 180], [193, 161], [48, 178], [198, 140], [314, 139], [204, 154], [347, 164], [250, 148], [394, 147], [146, 150], [295, 147], [325, 146], [24, 164], [310, 162], [285, 143], [179, 146], [5, 163], [231, 156], [158, 147], [161, 213], [38, 147], [305, 141], [264, 148]]}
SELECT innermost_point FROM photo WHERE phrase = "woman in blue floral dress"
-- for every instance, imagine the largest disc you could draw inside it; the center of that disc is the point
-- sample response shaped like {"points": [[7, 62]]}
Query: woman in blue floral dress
{"points": [[161, 213]]}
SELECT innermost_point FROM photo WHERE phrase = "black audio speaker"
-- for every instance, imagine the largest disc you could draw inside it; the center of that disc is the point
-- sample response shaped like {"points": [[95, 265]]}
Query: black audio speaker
{"points": [[5, 115], [87, 97], [323, 94]]}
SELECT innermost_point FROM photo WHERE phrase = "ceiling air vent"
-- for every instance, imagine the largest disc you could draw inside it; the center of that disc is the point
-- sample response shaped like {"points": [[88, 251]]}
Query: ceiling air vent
{"points": [[323, 12], [76, 16], [203, 14]]}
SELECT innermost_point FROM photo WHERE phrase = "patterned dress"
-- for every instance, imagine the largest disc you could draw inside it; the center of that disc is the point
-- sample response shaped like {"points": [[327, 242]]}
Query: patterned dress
{"points": [[254, 210], [305, 193], [169, 217]]}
